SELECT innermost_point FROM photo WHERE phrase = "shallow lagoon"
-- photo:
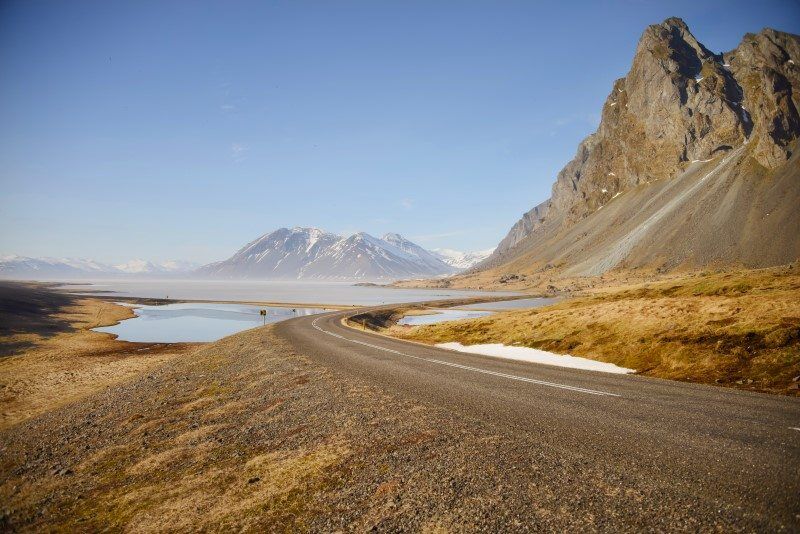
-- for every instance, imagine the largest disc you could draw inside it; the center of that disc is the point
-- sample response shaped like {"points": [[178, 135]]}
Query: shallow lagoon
{"points": [[195, 322], [440, 316], [517, 304]]}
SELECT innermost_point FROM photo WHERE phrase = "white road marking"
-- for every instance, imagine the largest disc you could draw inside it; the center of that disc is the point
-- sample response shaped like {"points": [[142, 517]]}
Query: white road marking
{"points": [[467, 367]]}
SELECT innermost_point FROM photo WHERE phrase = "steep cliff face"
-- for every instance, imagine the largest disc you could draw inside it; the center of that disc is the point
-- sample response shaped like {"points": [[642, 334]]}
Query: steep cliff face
{"points": [[769, 79], [529, 222], [680, 105]]}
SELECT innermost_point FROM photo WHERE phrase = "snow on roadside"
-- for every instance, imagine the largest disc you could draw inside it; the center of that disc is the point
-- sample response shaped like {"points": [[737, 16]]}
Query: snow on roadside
{"points": [[527, 354]]}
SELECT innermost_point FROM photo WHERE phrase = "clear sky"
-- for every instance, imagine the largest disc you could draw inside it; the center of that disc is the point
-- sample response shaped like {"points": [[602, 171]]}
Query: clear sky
{"points": [[172, 129]]}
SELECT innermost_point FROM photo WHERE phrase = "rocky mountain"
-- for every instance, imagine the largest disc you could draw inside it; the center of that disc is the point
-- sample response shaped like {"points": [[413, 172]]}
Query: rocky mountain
{"points": [[694, 163], [427, 258], [311, 253], [461, 260], [22, 267]]}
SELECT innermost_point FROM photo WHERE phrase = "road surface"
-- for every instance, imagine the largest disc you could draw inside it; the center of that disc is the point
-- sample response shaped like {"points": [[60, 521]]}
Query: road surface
{"points": [[735, 449]]}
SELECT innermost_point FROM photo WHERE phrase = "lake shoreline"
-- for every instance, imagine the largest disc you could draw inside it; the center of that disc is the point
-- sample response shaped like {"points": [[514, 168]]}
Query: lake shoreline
{"points": [[334, 295], [52, 357], [201, 322]]}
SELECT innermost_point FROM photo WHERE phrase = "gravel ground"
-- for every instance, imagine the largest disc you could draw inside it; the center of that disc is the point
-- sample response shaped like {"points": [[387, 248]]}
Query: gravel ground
{"points": [[246, 434]]}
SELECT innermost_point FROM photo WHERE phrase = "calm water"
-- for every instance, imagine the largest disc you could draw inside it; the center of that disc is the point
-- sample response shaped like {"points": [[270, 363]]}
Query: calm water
{"points": [[270, 291], [512, 304], [186, 322], [440, 316]]}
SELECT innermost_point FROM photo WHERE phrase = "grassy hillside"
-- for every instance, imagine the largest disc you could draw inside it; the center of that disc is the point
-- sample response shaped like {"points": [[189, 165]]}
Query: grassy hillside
{"points": [[740, 329]]}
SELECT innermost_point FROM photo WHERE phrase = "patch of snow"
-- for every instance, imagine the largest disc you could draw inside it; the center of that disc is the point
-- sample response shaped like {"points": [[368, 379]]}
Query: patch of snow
{"points": [[526, 354], [611, 174], [791, 61], [604, 190], [698, 78], [612, 104]]}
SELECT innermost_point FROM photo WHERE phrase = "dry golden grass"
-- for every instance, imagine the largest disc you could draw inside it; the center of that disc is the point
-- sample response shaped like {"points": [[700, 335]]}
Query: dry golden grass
{"points": [[735, 328], [267, 486]]}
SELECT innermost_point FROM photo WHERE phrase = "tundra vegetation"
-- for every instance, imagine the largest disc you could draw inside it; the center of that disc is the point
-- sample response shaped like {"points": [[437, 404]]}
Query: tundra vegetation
{"points": [[735, 328]]}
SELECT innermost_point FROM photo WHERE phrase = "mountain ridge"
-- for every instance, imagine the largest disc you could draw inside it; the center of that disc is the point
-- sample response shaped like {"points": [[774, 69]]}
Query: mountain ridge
{"points": [[462, 260], [14, 266], [318, 255], [306, 253], [668, 125]]}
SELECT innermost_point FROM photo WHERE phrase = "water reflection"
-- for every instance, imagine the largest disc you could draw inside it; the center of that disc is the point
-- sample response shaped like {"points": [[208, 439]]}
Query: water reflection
{"points": [[185, 322], [440, 316]]}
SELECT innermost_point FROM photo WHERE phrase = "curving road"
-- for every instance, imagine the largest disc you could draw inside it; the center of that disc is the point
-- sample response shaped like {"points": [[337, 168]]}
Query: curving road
{"points": [[738, 449]]}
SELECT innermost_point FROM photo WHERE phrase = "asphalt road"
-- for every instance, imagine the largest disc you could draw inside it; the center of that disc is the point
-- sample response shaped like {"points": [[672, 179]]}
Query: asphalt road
{"points": [[737, 450]]}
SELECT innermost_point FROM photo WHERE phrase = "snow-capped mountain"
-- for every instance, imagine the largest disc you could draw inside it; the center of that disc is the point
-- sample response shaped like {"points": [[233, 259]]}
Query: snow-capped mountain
{"points": [[148, 267], [423, 256], [285, 254], [461, 260], [23, 267], [311, 253]]}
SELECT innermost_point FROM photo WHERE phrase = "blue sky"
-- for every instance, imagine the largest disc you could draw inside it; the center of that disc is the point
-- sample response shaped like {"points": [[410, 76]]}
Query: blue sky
{"points": [[183, 130]]}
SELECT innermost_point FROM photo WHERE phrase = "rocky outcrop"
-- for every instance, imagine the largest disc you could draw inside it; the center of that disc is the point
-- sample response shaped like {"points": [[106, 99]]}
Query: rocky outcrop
{"points": [[680, 104], [527, 224], [770, 81]]}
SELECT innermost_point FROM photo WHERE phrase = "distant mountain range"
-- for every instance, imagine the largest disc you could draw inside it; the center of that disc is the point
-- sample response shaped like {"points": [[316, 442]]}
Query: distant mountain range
{"points": [[47, 268], [461, 260], [313, 254], [285, 254]]}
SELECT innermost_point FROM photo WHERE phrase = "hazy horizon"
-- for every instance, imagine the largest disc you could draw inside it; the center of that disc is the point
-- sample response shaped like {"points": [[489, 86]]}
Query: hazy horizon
{"points": [[183, 131]]}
